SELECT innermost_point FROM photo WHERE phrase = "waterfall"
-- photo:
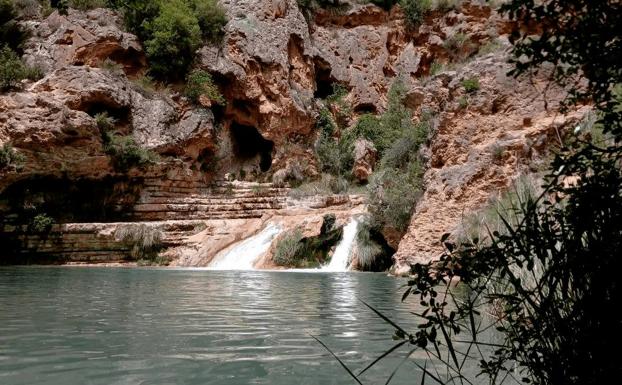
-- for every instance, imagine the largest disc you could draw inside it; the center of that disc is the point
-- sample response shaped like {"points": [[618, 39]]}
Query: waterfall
{"points": [[341, 256], [243, 255]]}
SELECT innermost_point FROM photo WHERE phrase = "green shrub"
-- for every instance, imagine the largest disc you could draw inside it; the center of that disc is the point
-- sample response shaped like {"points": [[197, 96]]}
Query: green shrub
{"points": [[146, 84], [327, 184], [33, 73], [489, 47], [41, 223], [446, 5], [369, 127], [415, 10], [200, 83], [324, 123], [471, 85], [436, 68], [288, 247], [463, 102], [503, 207], [158, 260], [9, 158], [174, 37], [29, 8], [405, 149], [497, 153], [454, 44], [368, 250], [144, 242], [137, 14], [104, 121], [12, 70], [339, 92], [293, 249], [212, 19], [393, 194], [335, 157], [126, 154], [383, 131], [339, 104], [308, 6]]}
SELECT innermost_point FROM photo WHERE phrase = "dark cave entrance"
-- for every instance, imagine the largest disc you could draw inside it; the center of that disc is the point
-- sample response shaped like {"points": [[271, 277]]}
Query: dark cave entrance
{"points": [[323, 79], [248, 144], [365, 108]]}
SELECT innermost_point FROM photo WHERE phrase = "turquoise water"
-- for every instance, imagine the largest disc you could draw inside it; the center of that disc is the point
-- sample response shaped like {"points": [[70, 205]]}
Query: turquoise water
{"points": [[156, 326]]}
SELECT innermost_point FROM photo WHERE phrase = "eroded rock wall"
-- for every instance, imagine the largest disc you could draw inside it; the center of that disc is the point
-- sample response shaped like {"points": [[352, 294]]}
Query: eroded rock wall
{"points": [[273, 66], [482, 142]]}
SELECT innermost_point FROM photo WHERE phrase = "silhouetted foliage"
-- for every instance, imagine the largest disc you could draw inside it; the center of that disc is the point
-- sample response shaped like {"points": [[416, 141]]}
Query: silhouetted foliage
{"points": [[579, 38], [11, 34]]}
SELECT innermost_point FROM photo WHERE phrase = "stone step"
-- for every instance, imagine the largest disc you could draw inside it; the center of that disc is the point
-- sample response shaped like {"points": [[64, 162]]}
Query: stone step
{"points": [[213, 195], [173, 215], [207, 208], [211, 200]]}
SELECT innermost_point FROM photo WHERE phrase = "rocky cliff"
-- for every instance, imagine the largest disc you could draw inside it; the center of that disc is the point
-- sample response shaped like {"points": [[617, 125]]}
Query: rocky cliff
{"points": [[274, 66]]}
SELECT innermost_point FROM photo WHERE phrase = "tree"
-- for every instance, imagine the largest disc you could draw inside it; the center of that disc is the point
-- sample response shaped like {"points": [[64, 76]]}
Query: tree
{"points": [[174, 37]]}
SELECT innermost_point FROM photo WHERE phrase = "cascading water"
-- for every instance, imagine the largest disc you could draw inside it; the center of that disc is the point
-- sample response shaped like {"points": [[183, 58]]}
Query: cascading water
{"points": [[341, 256], [243, 255]]}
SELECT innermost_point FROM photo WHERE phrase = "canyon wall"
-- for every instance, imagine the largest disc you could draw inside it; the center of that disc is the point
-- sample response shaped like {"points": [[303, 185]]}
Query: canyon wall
{"points": [[274, 65]]}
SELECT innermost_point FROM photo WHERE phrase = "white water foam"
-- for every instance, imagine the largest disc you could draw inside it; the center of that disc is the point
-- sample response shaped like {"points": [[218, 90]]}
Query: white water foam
{"points": [[341, 257], [243, 255]]}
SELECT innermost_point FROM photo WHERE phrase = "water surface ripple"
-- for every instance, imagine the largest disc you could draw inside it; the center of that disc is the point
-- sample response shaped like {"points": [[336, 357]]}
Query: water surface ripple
{"points": [[155, 326]]}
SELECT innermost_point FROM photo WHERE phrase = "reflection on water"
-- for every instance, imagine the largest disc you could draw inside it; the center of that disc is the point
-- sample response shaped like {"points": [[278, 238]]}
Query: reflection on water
{"points": [[151, 326]]}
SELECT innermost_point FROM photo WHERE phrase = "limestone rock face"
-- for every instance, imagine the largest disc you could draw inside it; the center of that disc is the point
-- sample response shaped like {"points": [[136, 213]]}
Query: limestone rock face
{"points": [[52, 122], [82, 38], [365, 155], [363, 49], [366, 48], [266, 65], [482, 142]]}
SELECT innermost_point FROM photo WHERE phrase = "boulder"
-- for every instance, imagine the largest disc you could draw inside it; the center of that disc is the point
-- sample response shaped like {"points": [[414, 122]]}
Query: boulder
{"points": [[365, 156]]}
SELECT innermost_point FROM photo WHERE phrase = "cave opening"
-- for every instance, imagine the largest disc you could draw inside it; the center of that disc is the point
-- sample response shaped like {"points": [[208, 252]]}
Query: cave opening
{"points": [[365, 108], [121, 115], [109, 199], [249, 144], [323, 84], [323, 80]]}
